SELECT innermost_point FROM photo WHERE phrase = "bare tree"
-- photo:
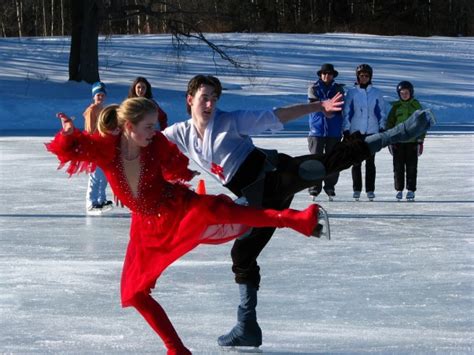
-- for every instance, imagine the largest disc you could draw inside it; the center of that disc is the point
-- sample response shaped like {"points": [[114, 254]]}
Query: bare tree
{"points": [[62, 17], [19, 6], [44, 19], [83, 57]]}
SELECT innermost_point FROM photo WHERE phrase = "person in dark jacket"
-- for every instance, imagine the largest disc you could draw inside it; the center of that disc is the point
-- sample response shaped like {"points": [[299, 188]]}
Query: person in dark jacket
{"points": [[325, 129]]}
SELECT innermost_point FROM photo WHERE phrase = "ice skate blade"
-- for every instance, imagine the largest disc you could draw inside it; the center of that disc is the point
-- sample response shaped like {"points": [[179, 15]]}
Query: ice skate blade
{"points": [[410, 200], [323, 221], [94, 213], [242, 349], [107, 208]]}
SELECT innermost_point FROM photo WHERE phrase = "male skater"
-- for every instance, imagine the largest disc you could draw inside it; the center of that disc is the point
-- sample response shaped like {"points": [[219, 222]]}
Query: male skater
{"points": [[219, 142]]}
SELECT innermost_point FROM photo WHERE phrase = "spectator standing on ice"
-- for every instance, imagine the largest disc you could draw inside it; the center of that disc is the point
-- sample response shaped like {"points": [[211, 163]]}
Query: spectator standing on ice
{"points": [[406, 153], [96, 198], [325, 129], [364, 111]]}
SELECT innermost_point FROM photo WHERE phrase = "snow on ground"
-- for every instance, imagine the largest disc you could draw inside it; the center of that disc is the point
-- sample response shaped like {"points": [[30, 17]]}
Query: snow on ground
{"points": [[396, 278], [35, 71]]}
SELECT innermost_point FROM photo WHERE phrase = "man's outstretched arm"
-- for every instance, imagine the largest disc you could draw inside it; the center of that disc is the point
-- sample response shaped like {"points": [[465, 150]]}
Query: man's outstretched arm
{"points": [[288, 113]]}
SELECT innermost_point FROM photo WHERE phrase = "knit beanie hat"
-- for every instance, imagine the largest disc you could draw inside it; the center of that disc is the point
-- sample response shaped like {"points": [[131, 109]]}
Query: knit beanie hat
{"points": [[98, 87]]}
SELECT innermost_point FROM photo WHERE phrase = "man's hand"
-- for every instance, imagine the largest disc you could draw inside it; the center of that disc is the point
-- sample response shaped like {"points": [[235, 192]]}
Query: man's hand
{"points": [[333, 105], [288, 113]]}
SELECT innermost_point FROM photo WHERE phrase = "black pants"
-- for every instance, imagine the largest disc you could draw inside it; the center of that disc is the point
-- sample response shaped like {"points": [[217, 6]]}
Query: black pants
{"points": [[280, 186], [370, 173], [405, 159], [321, 145]]}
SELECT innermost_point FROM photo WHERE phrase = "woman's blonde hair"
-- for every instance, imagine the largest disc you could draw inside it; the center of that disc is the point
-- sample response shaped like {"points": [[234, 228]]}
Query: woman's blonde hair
{"points": [[131, 110]]}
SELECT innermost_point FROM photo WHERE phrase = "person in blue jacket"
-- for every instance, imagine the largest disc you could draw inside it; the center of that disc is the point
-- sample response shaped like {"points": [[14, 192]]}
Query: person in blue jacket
{"points": [[325, 129]]}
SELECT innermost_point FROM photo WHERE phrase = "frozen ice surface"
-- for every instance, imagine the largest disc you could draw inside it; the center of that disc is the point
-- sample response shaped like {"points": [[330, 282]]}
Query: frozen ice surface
{"points": [[396, 278]]}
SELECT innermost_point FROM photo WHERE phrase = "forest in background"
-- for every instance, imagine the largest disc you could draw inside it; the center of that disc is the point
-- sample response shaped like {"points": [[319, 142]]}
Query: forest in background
{"points": [[22, 18]]}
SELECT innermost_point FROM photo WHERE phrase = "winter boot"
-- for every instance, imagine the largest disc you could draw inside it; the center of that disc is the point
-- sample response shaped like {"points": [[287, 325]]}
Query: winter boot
{"points": [[246, 332], [418, 123]]}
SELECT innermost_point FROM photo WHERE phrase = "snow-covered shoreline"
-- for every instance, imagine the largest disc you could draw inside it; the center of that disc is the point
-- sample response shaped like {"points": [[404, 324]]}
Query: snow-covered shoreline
{"points": [[34, 72]]}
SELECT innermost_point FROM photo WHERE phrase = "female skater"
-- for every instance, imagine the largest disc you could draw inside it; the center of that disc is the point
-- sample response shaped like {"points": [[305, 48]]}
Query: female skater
{"points": [[148, 174]]}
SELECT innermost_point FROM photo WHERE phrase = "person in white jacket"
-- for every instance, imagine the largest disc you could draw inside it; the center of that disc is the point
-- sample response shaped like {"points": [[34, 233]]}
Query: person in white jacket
{"points": [[364, 111]]}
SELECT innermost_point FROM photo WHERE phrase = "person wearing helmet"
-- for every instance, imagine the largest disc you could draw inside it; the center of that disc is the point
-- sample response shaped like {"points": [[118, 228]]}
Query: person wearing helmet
{"points": [[325, 129], [405, 154], [364, 111]]}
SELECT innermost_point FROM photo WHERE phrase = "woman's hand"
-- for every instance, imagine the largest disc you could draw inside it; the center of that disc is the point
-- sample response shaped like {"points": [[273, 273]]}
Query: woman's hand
{"points": [[68, 126]]}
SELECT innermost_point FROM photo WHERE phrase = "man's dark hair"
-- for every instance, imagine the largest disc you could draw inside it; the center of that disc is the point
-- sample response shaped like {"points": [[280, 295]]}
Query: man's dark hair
{"points": [[197, 81]]}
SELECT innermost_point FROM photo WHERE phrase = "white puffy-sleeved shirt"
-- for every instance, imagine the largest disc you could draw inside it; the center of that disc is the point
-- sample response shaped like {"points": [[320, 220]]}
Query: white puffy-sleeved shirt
{"points": [[364, 110], [226, 142]]}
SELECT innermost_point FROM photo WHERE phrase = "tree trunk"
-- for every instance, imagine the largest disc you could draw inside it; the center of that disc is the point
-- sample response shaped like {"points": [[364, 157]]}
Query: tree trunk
{"points": [[83, 57], [44, 20], [139, 22], [52, 17], [35, 18], [62, 17], [4, 33], [18, 17]]}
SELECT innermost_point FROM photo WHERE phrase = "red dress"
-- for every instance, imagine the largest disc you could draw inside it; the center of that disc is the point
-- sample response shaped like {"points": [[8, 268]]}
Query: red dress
{"points": [[168, 219]]}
